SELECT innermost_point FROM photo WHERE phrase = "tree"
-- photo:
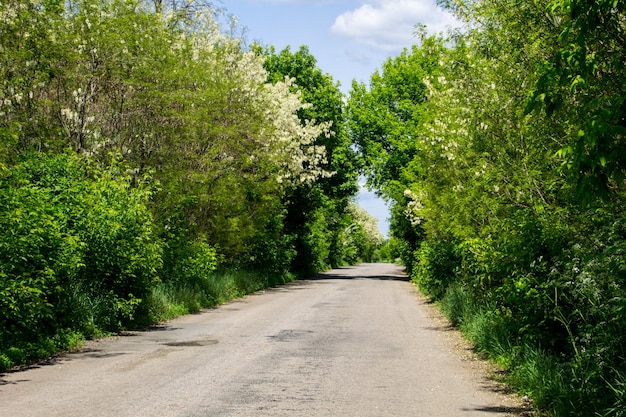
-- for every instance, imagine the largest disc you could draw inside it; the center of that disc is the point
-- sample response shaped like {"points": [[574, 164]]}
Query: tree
{"points": [[316, 211], [582, 81], [141, 145], [495, 187], [385, 122]]}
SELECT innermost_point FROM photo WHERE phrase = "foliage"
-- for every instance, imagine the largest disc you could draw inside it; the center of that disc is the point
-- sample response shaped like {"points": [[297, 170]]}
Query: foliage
{"points": [[507, 187], [382, 121], [390, 250], [78, 251], [435, 267], [362, 237], [175, 97], [317, 211], [582, 79], [144, 150]]}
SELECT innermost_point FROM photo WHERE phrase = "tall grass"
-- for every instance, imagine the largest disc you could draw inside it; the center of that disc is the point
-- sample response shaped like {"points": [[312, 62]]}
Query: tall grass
{"points": [[527, 369], [169, 300]]}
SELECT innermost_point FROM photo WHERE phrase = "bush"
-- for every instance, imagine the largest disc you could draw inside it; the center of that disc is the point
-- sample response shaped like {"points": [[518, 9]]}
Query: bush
{"points": [[435, 267], [38, 256], [547, 307], [122, 255], [77, 253]]}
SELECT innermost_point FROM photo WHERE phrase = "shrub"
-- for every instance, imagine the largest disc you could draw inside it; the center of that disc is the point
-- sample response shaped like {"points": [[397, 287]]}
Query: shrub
{"points": [[77, 252], [38, 255], [435, 267]]}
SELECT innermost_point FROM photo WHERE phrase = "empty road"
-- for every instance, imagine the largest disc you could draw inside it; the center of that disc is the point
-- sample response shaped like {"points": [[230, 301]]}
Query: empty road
{"points": [[355, 341]]}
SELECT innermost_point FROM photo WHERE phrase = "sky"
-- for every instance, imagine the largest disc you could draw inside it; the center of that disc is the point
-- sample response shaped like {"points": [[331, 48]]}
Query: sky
{"points": [[349, 38]]}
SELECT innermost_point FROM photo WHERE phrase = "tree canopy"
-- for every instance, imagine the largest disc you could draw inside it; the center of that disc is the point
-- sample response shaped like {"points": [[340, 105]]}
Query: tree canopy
{"points": [[500, 148], [144, 148]]}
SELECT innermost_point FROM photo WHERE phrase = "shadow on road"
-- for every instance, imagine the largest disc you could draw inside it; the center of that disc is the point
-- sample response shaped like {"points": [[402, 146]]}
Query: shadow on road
{"points": [[55, 360], [515, 411], [442, 328], [357, 272], [329, 276], [5, 382]]}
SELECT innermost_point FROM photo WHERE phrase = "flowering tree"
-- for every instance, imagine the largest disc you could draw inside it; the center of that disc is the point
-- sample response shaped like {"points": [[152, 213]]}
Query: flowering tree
{"points": [[174, 95], [508, 186], [317, 208]]}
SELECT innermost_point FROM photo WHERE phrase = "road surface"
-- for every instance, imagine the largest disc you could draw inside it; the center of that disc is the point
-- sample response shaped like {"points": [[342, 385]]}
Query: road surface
{"points": [[356, 341]]}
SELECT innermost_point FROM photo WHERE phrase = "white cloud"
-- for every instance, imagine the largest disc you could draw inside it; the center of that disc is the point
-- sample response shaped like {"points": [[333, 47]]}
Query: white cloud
{"points": [[388, 25]]}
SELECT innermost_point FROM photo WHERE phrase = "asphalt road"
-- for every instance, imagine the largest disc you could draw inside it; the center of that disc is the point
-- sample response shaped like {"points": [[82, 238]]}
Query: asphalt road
{"points": [[355, 341]]}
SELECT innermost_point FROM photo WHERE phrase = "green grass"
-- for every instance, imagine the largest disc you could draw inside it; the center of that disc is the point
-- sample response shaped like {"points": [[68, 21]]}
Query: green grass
{"points": [[169, 300], [29, 352], [165, 302], [527, 369]]}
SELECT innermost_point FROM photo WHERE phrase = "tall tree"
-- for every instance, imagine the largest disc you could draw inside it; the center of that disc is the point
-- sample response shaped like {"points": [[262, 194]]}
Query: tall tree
{"points": [[385, 119], [324, 201], [522, 116]]}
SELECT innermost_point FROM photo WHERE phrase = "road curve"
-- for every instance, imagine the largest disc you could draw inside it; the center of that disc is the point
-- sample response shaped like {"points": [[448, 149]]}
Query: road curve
{"points": [[355, 341]]}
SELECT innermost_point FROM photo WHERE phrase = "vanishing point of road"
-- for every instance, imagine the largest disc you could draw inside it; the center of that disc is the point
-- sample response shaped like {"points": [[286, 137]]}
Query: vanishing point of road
{"points": [[355, 341]]}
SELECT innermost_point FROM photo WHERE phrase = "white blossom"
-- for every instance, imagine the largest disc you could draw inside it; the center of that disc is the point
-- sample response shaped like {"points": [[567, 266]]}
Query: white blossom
{"points": [[414, 207]]}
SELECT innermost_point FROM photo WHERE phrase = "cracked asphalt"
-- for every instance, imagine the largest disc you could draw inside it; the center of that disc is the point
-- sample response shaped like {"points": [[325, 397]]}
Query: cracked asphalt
{"points": [[355, 341]]}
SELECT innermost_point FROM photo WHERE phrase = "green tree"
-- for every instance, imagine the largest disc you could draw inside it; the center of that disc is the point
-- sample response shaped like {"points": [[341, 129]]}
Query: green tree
{"points": [[384, 123], [27, 57], [520, 130], [316, 210], [582, 81]]}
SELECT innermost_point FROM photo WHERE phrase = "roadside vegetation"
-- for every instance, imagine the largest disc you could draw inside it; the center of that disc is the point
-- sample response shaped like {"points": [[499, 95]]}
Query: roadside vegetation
{"points": [[501, 148], [152, 164]]}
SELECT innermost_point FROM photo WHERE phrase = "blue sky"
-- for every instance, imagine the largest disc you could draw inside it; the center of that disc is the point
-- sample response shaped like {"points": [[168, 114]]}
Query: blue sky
{"points": [[349, 38]]}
